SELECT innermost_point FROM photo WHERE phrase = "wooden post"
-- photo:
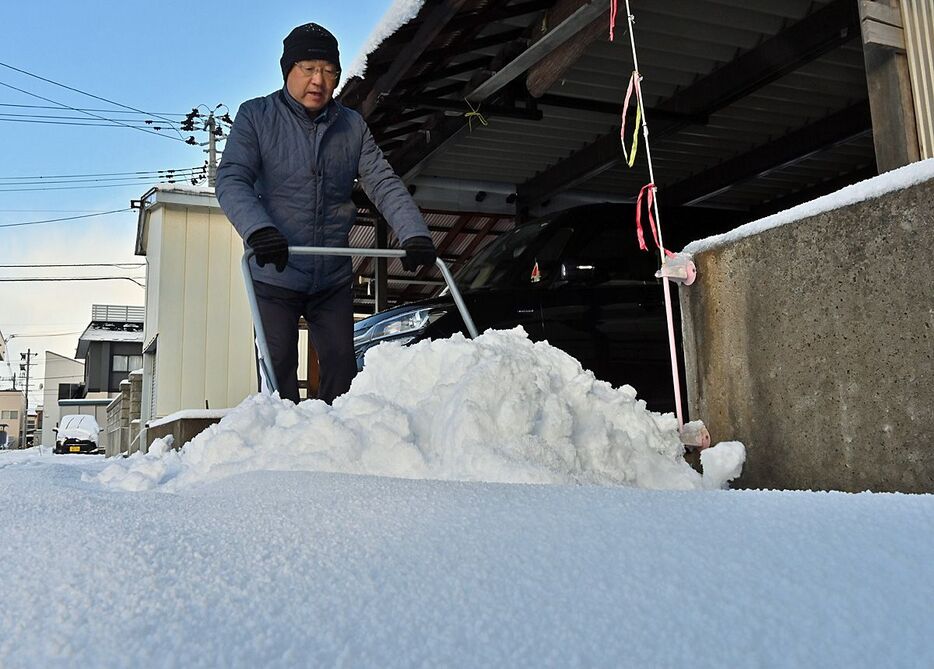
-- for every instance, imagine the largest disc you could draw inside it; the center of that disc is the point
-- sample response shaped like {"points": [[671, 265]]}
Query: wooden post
{"points": [[381, 274], [314, 370], [894, 129]]}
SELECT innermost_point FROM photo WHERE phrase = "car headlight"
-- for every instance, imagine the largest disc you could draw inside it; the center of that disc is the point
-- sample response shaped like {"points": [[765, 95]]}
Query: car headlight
{"points": [[408, 322]]}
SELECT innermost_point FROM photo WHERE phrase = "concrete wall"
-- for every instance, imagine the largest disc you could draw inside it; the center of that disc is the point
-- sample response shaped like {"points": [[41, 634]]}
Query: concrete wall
{"points": [[813, 344]]}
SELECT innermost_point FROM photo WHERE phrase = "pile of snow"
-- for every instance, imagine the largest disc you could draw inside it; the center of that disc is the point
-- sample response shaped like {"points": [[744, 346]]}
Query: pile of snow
{"points": [[499, 408]]}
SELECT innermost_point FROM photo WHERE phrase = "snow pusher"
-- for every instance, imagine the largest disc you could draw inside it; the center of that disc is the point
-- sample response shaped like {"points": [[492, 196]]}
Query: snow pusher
{"points": [[269, 375]]}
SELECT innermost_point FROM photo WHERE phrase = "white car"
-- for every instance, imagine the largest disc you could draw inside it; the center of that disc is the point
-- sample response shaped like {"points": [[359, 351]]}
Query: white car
{"points": [[77, 434]]}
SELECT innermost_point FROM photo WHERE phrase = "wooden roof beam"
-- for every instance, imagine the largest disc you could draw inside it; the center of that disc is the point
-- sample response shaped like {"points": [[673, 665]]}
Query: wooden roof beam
{"points": [[408, 162], [551, 68], [432, 25]]}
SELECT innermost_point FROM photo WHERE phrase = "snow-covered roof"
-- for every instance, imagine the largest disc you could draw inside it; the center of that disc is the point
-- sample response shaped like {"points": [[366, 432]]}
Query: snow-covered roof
{"points": [[126, 332], [398, 14], [899, 179], [184, 188], [96, 333]]}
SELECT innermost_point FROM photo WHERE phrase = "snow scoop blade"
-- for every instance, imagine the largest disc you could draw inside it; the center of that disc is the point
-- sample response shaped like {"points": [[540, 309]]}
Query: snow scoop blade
{"points": [[695, 435]]}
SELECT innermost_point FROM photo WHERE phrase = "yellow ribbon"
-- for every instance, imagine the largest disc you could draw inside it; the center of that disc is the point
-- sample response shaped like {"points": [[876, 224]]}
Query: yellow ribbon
{"points": [[631, 157], [474, 112]]}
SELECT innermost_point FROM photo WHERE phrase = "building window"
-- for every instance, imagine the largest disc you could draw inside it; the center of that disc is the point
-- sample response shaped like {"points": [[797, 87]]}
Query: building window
{"points": [[121, 366], [127, 363], [12, 415]]}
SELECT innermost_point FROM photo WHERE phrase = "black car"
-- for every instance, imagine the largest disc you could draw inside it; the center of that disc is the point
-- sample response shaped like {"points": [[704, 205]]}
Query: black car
{"points": [[576, 279]]}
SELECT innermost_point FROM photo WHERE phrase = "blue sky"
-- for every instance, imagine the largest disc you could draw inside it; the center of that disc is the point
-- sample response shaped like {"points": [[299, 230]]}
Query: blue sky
{"points": [[162, 58]]}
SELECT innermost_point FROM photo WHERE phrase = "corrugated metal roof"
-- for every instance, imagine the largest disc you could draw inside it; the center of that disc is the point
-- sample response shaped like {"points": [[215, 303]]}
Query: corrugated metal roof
{"points": [[680, 42]]}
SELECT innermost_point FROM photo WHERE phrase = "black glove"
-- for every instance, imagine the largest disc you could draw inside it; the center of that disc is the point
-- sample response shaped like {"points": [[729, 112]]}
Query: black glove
{"points": [[269, 246], [418, 251]]}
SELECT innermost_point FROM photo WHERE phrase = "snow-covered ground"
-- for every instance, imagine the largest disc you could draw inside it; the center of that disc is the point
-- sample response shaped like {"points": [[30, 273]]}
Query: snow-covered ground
{"points": [[319, 569], [373, 534]]}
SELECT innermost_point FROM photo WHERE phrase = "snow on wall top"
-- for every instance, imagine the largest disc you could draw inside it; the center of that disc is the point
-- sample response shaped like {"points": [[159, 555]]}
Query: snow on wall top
{"points": [[864, 190], [398, 14], [185, 188]]}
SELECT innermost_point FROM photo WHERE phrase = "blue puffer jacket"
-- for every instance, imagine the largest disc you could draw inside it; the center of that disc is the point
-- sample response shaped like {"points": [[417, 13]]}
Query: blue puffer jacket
{"points": [[280, 168]]}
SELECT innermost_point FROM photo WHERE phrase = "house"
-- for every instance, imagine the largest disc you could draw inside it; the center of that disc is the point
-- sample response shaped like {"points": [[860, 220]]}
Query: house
{"points": [[64, 380], [198, 351], [110, 348], [12, 418], [198, 338]]}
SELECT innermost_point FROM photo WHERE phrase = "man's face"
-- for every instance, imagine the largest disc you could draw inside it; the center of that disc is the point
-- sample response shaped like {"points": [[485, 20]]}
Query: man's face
{"points": [[312, 83]]}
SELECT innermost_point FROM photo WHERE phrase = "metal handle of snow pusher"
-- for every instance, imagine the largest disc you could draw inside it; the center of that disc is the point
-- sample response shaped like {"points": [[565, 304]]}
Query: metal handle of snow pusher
{"points": [[265, 367]]}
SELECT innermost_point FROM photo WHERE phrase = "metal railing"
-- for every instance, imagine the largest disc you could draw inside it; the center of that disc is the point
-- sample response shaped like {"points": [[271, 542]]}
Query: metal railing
{"points": [[265, 367], [115, 313]]}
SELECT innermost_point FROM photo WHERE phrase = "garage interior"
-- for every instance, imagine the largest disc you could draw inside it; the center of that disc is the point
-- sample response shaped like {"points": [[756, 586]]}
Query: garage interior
{"points": [[498, 111]]}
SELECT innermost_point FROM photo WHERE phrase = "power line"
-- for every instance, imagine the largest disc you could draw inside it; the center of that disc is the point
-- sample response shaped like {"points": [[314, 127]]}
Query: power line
{"points": [[146, 119], [43, 379], [175, 176], [121, 265], [46, 211], [52, 334], [89, 124], [77, 278], [38, 118], [151, 132], [76, 90], [86, 109], [100, 174], [66, 218], [25, 190]]}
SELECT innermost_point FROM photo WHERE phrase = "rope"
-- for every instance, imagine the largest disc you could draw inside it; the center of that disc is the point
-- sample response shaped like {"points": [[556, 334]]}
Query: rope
{"points": [[474, 112], [655, 223]]}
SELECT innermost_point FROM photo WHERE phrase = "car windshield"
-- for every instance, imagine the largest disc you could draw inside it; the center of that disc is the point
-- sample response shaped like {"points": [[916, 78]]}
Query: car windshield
{"points": [[590, 242], [495, 265]]}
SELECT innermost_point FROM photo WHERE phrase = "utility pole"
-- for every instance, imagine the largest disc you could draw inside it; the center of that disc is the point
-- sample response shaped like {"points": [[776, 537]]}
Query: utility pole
{"points": [[215, 127], [212, 150], [27, 356]]}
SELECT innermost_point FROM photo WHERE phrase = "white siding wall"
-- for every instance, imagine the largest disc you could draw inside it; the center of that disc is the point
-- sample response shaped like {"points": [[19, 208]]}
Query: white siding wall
{"points": [[205, 337], [58, 369], [153, 274]]}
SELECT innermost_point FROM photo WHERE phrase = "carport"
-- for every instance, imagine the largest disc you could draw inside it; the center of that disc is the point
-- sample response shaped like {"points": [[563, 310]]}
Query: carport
{"points": [[495, 111]]}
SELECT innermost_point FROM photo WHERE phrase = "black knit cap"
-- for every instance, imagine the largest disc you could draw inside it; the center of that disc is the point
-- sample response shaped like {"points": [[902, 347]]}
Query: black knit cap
{"points": [[308, 42]]}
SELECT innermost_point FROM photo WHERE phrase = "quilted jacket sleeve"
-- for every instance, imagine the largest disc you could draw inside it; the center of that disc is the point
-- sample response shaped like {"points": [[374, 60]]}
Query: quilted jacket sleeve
{"points": [[387, 191], [239, 169]]}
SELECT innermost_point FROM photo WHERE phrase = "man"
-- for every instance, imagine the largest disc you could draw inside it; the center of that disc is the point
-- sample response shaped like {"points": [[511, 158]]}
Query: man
{"points": [[285, 179]]}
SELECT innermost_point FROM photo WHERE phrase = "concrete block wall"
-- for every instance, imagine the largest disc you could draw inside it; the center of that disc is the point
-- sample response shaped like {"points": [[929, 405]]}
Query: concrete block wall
{"points": [[813, 344]]}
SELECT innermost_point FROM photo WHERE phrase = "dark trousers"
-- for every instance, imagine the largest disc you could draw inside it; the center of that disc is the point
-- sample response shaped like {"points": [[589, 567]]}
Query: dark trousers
{"points": [[330, 323]]}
